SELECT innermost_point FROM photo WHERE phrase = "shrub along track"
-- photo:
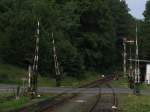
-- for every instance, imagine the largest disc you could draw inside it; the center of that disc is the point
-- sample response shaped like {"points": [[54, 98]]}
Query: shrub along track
{"points": [[52, 103]]}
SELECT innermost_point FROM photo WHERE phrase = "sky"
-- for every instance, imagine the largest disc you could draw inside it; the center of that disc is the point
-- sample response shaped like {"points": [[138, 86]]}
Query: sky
{"points": [[137, 7]]}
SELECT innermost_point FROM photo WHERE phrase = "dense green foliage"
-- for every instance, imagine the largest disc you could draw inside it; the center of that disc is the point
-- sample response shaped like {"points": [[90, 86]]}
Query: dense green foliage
{"points": [[145, 33], [87, 33]]}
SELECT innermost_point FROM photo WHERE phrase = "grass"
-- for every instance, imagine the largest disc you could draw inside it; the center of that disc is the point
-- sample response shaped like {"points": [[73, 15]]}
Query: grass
{"points": [[13, 75], [46, 82], [5, 95], [7, 103], [132, 103], [11, 104], [73, 82], [121, 83], [145, 86], [68, 81]]}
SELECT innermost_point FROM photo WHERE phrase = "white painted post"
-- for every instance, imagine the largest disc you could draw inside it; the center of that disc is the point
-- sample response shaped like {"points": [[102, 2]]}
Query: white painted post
{"points": [[124, 57], [29, 76], [137, 63], [57, 70]]}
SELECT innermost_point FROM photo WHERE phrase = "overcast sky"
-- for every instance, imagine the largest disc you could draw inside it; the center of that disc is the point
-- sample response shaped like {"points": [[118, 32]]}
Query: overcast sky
{"points": [[137, 7]]}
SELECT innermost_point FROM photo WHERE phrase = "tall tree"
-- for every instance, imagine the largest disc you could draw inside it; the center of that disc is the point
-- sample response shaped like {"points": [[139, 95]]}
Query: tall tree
{"points": [[146, 33], [85, 33]]}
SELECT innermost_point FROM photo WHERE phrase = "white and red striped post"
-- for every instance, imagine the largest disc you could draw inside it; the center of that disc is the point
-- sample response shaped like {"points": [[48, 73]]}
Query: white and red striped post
{"points": [[56, 64], [36, 60]]}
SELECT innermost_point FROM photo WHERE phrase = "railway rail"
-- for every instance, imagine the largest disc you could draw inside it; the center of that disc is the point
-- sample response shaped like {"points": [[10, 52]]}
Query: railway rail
{"points": [[105, 103]]}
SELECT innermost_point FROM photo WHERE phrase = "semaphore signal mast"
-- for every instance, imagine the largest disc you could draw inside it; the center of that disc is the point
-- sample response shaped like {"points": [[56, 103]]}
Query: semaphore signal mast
{"points": [[56, 64], [125, 42], [134, 75], [33, 71], [137, 68]]}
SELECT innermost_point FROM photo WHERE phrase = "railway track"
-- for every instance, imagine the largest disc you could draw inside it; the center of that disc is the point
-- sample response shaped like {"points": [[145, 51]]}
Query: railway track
{"points": [[90, 85], [105, 102], [50, 104]]}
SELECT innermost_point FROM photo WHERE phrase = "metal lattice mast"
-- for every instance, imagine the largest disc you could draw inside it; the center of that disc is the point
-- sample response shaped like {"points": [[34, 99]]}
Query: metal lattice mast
{"points": [[56, 64], [36, 59]]}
